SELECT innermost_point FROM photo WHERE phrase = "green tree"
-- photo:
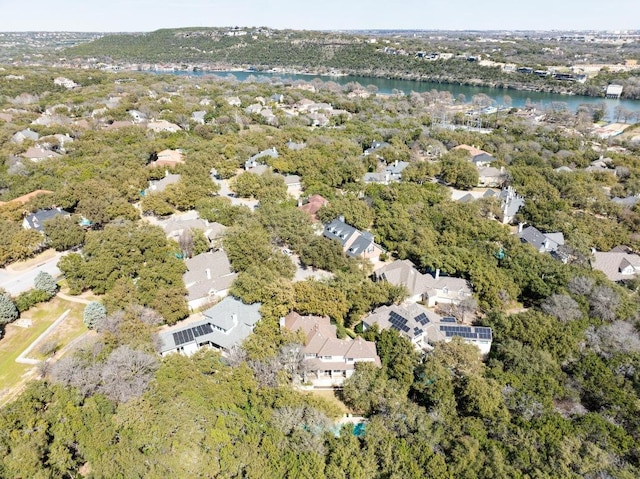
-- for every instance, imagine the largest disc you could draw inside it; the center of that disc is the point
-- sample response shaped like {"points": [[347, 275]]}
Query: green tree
{"points": [[63, 232]]}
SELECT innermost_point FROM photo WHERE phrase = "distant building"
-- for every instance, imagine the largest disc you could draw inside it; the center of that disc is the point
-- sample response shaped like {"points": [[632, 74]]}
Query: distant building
{"points": [[614, 91], [224, 326], [158, 186], [254, 160], [168, 158]]}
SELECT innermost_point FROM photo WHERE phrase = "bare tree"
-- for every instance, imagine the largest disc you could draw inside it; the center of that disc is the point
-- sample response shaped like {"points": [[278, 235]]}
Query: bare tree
{"points": [[562, 307], [186, 243], [580, 285], [617, 337], [127, 373], [604, 302]]}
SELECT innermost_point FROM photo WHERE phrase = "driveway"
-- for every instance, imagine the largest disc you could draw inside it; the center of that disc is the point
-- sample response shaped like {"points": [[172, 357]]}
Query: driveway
{"points": [[18, 278]]}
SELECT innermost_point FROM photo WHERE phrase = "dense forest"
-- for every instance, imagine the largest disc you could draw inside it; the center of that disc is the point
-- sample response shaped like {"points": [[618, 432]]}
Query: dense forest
{"points": [[557, 396]]}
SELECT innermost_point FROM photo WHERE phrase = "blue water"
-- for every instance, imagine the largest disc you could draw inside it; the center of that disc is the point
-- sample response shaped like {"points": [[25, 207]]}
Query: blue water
{"points": [[386, 86]]}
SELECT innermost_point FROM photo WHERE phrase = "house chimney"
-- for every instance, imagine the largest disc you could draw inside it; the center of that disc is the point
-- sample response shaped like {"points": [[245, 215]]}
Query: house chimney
{"points": [[520, 227], [208, 271], [546, 244], [282, 322], [341, 218], [299, 202], [234, 318], [437, 275], [593, 251]]}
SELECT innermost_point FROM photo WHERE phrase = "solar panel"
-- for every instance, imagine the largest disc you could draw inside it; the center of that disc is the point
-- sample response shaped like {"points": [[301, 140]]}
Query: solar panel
{"points": [[207, 328], [189, 334], [448, 319], [422, 319]]}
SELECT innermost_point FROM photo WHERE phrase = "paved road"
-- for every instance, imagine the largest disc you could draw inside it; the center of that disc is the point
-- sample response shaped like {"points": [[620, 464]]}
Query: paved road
{"points": [[16, 282]]}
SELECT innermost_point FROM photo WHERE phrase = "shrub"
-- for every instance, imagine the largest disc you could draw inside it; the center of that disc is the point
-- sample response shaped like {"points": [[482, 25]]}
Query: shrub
{"points": [[29, 299], [8, 310], [45, 282]]}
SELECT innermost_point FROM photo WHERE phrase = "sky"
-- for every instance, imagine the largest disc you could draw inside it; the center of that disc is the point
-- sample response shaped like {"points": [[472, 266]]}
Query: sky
{"points": [[149, 15]]}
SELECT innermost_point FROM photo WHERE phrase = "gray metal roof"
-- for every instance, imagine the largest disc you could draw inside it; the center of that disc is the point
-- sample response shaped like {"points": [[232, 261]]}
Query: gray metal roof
{"points": [[339, 230], [226, 325]]}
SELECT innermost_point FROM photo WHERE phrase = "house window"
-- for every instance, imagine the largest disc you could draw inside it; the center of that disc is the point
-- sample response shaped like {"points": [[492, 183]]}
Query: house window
{"points": [[327, 372], [349, 360], [445, 290], [327, 358]]}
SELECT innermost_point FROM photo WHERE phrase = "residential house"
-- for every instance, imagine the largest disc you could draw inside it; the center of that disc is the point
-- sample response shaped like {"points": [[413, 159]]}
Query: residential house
{"points": [[617, 265], [208, 277], [375, 146], [490, 177], [294, 185], [329, 360], [542, 242], [35, 221], [225, 325], [433, 289], [479, 158], [26, 198], [292, 145], [355, 243], [253, 161], [233, 101], [277, 98], [510, 204], [391, 174], [198, 116], [36, 154], [163, 125], [168, 158], [26, 134], [178, 224], [158, 186], [424, 328], [137, 116], [313, 205]]}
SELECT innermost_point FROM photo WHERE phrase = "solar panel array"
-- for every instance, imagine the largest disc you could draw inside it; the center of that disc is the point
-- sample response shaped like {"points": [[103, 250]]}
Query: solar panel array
{"points": [[422, 319], [448, 319], [188, 335], [466, 332], [398, 322]]}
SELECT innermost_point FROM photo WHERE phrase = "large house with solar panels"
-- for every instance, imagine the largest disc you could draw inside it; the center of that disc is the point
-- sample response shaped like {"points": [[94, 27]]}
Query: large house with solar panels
{"points": [[329, 360], [424, 327], [432, 289], [355, 243], [224, 326]]}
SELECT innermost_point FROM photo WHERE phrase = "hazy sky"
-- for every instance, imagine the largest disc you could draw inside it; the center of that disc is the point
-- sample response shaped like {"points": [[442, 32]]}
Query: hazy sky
{"points": [[147, 15]]}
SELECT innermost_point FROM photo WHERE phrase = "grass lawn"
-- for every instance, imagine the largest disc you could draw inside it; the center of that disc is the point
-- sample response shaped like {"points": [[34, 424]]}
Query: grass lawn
{"points": [[17, 339], [332, 397]]}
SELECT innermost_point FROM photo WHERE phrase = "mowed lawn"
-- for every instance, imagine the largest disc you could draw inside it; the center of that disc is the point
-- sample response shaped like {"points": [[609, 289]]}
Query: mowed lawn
{"points": [[16, 339]]}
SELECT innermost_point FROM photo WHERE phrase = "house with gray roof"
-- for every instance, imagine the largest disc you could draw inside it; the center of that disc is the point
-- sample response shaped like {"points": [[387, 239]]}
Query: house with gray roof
{"points": [[542, 242], [355, 243], [328, 360], [253, 161], [158, 186], [424, 328], [26, 134], [224, 326], [392, 173], [617, 265], [175, 226], [35, 221], [292, 145], [208, 278]]}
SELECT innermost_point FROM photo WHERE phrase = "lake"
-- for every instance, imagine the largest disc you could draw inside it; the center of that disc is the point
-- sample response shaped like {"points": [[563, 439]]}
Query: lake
{"points": [[518, 98]]}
